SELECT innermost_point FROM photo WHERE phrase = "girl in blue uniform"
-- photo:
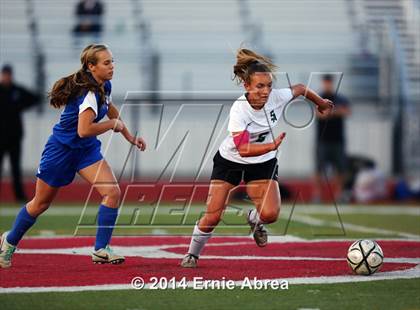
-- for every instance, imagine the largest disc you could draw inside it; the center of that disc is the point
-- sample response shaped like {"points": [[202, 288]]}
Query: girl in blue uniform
{"points": [[73, 148]]}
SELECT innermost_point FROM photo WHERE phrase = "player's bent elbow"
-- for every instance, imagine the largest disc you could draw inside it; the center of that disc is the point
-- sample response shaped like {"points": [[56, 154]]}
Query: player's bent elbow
{"points": [[299, 90]]}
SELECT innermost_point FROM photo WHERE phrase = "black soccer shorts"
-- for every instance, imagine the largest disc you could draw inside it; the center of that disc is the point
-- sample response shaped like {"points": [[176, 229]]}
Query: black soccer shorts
{"points": [[233, 173]]}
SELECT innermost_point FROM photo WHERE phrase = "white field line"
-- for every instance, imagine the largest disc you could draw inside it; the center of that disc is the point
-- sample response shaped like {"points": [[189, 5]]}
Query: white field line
{"points": [[347, 226], [279, 239], [271, 238], [350, 209], [160, 252], [391, 275], [301, 209]]}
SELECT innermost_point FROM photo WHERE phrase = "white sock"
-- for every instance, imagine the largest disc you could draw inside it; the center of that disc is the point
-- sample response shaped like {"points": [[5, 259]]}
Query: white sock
{"points": [[254, 218], [198, 241]]}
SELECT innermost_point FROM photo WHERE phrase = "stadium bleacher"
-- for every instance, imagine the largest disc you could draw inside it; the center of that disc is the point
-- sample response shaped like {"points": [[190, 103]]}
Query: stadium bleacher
{"points": [[196, 45]]}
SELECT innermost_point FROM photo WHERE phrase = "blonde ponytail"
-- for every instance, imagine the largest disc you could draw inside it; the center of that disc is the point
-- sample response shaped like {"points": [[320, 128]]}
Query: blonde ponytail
{"points": [[249, 62]]}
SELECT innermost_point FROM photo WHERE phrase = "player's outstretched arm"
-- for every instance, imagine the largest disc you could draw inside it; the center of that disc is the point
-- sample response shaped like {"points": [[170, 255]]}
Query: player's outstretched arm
{"points": [[247, 149], [114, 114], [324, 105]]}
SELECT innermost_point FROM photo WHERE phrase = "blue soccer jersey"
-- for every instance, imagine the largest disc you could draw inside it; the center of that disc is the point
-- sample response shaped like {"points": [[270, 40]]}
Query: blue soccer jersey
{"points": [[65, 131], [65, 152]]}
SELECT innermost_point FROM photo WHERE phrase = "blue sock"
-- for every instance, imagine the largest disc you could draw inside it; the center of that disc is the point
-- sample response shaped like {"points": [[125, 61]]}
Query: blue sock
{"points": [[106, 221], [23, 222]]}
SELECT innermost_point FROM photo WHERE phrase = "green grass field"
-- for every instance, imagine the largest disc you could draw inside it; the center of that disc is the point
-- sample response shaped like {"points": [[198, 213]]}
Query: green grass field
{"points": [[306, 221]]}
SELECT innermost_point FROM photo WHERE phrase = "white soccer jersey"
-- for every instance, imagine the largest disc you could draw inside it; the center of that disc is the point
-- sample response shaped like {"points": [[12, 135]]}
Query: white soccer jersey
{"points": [[257, 122]]}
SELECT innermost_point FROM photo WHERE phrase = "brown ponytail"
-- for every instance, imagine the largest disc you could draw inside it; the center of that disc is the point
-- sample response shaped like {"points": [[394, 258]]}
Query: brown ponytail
{"points": [[75, 84], [249, 62]]}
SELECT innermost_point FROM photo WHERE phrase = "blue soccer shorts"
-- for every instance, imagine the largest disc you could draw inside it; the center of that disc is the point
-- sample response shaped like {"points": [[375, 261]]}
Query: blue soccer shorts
{"points": [[60, 163]]}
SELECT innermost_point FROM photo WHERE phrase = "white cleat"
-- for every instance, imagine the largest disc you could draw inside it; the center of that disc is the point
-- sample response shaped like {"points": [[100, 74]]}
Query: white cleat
{"points": [[6, 252], [107, 256], [189, 261]]}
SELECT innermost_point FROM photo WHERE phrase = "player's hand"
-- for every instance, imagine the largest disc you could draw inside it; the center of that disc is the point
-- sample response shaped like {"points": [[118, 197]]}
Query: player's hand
{"points": [[139, 142], [325, 107], [118, 125], [279, 140]]}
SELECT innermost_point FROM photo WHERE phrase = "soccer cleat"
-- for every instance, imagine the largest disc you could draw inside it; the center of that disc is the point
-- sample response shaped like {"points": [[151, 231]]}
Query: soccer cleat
{"points": [[107, 256], [189, 261], [259, 233], [6, 252]]}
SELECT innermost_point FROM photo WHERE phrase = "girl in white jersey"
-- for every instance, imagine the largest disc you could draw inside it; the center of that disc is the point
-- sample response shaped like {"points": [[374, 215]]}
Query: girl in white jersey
{"points": [[249, 151]]}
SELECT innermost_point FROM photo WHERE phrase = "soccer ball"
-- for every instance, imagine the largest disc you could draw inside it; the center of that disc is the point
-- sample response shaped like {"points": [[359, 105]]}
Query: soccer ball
{"points": [[365, 257]]}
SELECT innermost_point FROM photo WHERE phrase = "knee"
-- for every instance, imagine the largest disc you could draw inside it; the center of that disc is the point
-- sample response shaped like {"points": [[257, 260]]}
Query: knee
{"points": [[270, 215], [113, 194], [36, 208]]}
